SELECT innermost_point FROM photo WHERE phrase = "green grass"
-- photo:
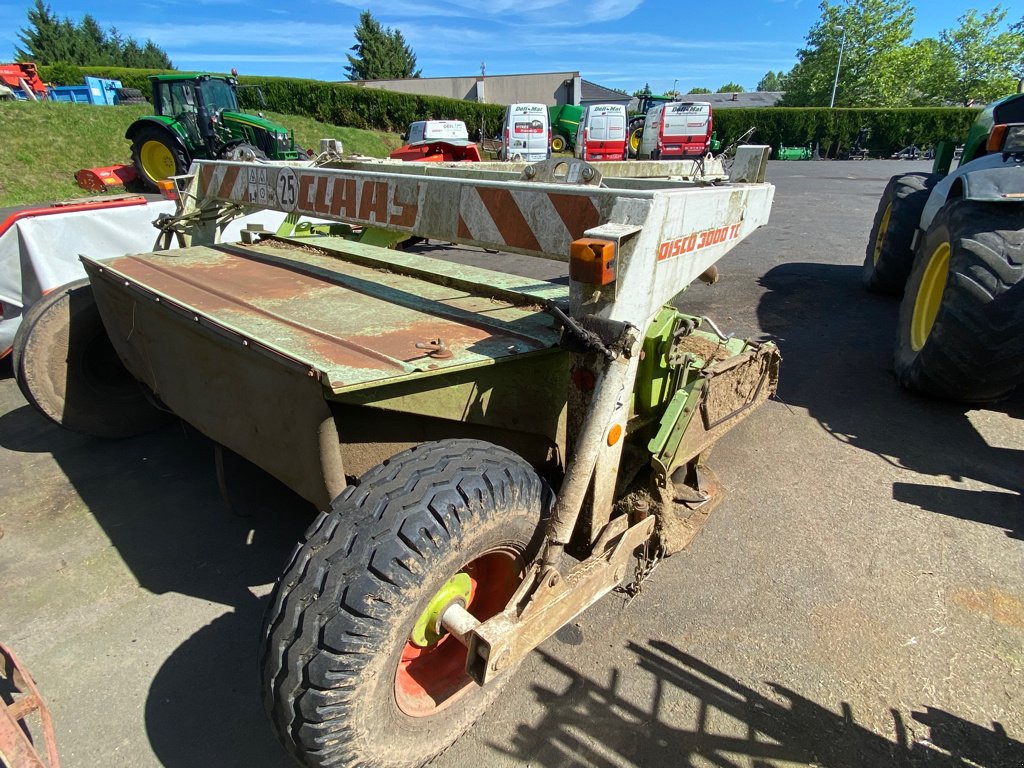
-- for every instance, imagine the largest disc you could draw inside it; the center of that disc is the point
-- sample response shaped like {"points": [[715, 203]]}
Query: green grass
{"points": [[43, 144]]}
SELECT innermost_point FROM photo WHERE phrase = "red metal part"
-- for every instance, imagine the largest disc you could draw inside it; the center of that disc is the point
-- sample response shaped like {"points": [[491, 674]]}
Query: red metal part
{"points": [[98, 179], [438, 152], [429, 679], [13, 75], [16, 748]]}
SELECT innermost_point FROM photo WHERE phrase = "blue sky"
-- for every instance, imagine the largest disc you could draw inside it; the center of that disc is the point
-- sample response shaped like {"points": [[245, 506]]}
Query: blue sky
{"points": [[618, 43]]}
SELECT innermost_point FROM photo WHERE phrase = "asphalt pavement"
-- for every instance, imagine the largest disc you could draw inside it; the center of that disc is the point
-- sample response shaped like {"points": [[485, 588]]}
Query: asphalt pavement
{"points": [[857, 599]]}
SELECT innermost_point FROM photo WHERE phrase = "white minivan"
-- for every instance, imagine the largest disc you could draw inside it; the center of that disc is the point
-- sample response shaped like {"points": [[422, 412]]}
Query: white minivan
{"points": [[677, 129], [601, 134], [432, 130], [527, 133]]}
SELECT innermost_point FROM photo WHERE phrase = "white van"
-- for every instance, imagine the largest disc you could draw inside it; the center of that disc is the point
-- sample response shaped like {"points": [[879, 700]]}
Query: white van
{"points": [[432, 130], [601, 134], [677, 129], [527, 133]]}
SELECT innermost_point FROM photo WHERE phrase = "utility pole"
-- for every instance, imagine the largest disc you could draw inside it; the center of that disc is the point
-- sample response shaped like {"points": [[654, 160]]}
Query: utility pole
{"points": [[838, 65]]}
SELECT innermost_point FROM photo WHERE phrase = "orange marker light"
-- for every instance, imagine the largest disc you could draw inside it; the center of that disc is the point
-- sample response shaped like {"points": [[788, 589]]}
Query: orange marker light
{"points": [[592, 260], [995, 138], [167, 189], [614, 434]]}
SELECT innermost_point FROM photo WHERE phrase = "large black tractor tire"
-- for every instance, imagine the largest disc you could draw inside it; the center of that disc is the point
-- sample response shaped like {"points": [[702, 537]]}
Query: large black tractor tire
{"points": [[157, 156], [634, 137], [961, 326], [68, 370], [127, 96], [889, 257], [342, 681]]}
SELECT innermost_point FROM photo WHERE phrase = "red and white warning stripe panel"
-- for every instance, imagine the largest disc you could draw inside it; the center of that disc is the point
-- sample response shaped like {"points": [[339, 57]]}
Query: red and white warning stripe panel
{"points": [[539, 221]]}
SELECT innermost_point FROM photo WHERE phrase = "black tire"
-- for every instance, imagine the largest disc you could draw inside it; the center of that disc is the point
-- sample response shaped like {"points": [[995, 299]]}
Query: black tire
{"points": [[888, 257], [635, 127], [125, 94], [129, 102], [974, 350], [68, 370], [161, 136], [558, 143], [342, 612]]}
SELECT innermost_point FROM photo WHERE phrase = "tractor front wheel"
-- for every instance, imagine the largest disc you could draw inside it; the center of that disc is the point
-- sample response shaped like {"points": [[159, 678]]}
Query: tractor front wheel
{"points": [[67, 368], [961, 329], [356, 669], [557, 143], [889, 257], [157, 156]]}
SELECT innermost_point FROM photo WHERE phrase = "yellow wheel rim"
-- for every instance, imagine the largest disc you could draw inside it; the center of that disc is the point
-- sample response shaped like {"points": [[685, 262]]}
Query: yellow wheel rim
{"points": [[929, 296], [157, 160], [634, 140], [883, 228], [557, 144]]}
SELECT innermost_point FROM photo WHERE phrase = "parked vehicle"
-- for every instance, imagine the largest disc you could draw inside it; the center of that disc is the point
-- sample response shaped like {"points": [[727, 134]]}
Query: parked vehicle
{"points": [[601, 134], [526, 133], [565, 119], [197, 116], [951, 243], [436, 141], [23, 80], [677, 129], [638, 108], [462, 398]]}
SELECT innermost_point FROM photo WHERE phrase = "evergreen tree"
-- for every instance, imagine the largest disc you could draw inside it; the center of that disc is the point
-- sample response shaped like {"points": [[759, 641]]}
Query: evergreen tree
{"points": [[381, 53], [50, 40]]}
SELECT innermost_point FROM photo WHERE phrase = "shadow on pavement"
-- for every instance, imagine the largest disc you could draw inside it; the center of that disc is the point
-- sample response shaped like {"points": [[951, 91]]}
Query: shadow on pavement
{"points": [[589, 723], [156, 498], [837, 343]]}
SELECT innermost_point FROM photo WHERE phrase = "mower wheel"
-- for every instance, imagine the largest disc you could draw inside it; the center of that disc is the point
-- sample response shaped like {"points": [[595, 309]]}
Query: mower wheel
{"points": [[557, 144], [355, 668], [889, 257], [157, 156], [961, 331], [68, 370]]}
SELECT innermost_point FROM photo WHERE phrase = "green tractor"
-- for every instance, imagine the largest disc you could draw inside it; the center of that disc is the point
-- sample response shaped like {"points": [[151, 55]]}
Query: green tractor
{"points": [[952, 243], [197, 116]]}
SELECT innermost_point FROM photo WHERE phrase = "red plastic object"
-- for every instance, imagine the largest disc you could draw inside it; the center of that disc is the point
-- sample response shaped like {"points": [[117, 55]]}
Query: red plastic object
{"points": [[98, 179], [437, 152]]}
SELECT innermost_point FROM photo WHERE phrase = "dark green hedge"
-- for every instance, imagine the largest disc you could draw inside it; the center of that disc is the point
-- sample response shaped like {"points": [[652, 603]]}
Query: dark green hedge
{"points": [[336, 103], [836, 129], [832, 129]]}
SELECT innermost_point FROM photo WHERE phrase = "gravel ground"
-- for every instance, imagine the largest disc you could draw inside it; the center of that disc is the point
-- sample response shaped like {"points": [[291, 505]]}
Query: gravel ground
{"points": [[857, 600]]}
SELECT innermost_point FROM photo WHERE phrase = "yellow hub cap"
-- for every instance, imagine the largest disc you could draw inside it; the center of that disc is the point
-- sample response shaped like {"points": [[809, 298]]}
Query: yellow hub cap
{"points": [[883, 228], [929, 296], [157, 160]]}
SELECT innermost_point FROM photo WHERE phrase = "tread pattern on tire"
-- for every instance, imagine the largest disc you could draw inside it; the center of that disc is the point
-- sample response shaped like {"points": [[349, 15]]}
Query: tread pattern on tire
{"points": [[975, 351], [376, 540], [908, 193]]}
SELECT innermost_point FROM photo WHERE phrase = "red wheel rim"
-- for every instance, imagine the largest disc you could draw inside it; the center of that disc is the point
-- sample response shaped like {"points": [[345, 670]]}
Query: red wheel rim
{"points": [[429, 679]]}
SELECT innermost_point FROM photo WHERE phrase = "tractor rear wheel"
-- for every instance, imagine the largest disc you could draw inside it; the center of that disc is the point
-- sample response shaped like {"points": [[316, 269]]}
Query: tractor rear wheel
{"points": [[68, 370], [157, 156], [961, 329], [355, 671], [557, 143], [636, 135], [889, 257]]}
